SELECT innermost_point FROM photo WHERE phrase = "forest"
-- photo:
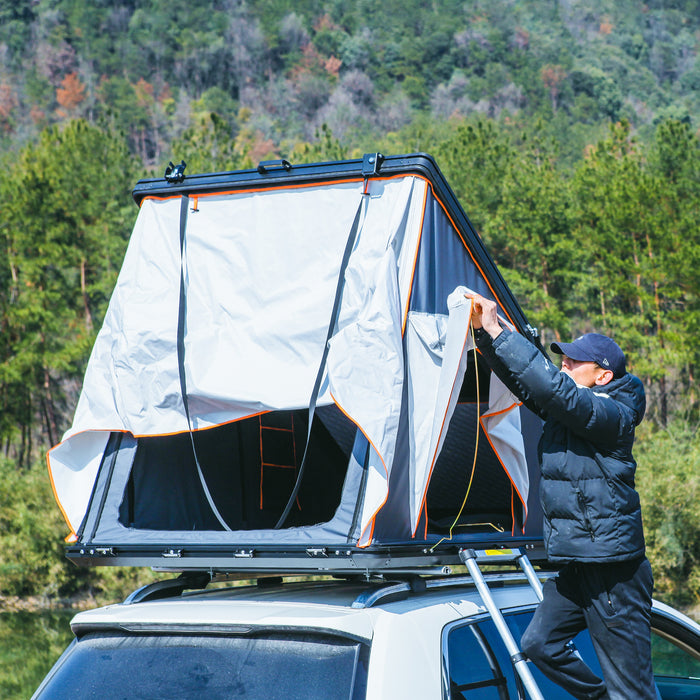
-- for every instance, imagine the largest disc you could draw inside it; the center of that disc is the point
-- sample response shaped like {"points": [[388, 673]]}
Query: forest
{"points": [[568, 130]]}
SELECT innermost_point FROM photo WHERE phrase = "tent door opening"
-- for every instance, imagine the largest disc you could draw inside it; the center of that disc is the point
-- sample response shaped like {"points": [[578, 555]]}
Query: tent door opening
{"points": [[249, 466], [460, 498]]}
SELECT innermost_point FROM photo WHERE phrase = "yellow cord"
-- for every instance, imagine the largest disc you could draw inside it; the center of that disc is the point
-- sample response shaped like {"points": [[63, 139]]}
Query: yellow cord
{"points": [[476, 443]]}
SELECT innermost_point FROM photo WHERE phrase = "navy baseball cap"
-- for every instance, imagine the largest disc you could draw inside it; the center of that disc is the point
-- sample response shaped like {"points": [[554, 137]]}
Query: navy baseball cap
{"points": [[594, 347]]}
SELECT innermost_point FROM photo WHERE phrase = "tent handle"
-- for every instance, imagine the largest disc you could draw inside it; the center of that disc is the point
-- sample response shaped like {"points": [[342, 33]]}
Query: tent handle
{"points": [[321, 369], [267, 165]]}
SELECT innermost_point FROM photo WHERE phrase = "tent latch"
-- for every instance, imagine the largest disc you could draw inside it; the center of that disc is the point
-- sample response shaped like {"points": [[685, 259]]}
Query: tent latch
{"points": [[317, 552], [244, 554], [371, 162], [171, 554], [175, 173]]}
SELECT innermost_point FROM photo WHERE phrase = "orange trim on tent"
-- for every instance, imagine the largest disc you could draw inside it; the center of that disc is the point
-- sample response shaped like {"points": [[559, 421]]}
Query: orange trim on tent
{"points": [[72, 536], [415, 264], [175, 432], [246, 190], [503, 410], [498, 457], [292, 186]]}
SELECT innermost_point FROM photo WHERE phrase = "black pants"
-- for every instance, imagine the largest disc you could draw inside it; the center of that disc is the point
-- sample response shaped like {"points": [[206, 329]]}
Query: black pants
{"points": [[614, 602]]}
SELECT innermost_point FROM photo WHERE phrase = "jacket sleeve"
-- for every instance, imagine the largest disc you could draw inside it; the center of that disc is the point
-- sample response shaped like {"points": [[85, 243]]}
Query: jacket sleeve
{"points": [[540, 385]]}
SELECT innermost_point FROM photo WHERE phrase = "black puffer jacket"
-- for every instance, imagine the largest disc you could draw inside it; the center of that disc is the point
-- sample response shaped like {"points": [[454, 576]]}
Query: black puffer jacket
{"points": [[591, 508]]}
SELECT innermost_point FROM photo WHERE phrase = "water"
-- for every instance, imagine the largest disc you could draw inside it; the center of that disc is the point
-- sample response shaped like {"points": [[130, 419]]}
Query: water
{"points": [[30, 643]]}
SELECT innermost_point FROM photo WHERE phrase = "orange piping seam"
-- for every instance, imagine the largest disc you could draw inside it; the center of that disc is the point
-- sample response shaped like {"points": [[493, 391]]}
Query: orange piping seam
{"points": [[502, 411], [498, 457], [304, 185], [58, 501], [415, 264]]}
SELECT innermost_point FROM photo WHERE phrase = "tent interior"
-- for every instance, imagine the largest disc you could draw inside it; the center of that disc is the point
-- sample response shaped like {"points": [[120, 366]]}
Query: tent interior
{"points": [[250, 467]]}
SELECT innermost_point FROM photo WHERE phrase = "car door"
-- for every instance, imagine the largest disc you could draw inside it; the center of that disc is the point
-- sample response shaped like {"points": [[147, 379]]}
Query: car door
{"points": [[476, 665]]}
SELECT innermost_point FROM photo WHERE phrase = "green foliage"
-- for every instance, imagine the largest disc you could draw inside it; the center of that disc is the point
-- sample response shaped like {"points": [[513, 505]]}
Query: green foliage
{"points": [[32, 531], [209, 145], [31, 557], [568, 132], [30, 643], [531, 237], [475, 161], [64, 232], [668, 480]]}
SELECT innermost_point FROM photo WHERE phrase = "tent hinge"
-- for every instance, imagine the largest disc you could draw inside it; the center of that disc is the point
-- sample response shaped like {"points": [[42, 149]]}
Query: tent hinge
{"points": [[534, 332], [371, 162]]}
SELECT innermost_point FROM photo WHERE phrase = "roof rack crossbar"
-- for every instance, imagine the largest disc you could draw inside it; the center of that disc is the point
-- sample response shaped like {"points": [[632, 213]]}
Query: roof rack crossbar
{"points": [[169, 588]]}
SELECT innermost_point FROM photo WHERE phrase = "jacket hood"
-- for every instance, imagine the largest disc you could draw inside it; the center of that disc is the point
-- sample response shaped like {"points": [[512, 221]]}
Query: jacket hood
{"points": [[628, 390]]}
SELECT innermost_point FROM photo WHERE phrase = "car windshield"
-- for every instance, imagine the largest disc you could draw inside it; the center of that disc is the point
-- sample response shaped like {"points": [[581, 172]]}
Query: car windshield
{"points": [[115, 666]]}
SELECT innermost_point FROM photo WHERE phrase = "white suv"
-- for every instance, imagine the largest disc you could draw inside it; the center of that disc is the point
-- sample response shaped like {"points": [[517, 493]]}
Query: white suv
{"points": [[354, 639]]}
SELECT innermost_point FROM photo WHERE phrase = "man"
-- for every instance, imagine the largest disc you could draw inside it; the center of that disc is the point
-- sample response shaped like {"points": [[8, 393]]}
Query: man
{"points": [[592, 515]]}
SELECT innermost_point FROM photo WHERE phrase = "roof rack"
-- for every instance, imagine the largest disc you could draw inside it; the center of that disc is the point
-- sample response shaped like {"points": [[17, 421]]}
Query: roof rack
{"points": [[383, 585]]}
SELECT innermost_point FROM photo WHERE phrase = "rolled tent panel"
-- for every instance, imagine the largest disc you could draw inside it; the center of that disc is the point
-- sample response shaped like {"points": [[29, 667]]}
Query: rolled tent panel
{"points": [[436, 351], [365, 374], [131, 382], [437, 357]]}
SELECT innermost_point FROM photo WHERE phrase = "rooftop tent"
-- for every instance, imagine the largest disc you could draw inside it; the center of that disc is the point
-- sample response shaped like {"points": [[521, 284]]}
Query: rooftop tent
{"points": [[286, 366]]}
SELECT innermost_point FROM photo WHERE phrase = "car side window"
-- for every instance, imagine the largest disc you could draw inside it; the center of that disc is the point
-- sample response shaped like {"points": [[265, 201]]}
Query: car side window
{"points": [[477, 665], [473, 667], [676, 666]]}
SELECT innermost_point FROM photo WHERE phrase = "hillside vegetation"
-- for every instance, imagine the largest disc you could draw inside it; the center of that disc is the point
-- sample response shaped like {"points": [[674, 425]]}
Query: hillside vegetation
{"points": [[568, 130]]}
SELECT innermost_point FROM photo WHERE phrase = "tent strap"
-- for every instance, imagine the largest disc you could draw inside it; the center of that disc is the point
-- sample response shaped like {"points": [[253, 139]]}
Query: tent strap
{"points": [[322, 367], [181, 318]]}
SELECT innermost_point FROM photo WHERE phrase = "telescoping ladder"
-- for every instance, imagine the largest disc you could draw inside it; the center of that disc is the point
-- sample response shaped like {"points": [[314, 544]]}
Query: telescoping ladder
{"points": [[472, 558]]}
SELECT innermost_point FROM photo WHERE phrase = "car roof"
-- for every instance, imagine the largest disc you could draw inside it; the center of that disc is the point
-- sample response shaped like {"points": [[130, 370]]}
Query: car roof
{"points": [[353, 608]]}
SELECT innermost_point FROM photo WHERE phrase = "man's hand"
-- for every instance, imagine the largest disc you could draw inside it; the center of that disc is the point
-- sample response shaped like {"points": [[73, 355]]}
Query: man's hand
{"points": [[485, 314]]}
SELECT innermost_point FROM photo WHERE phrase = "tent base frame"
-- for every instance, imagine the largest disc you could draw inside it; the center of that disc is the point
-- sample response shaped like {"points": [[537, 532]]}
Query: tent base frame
{"points": [[426, 558]]}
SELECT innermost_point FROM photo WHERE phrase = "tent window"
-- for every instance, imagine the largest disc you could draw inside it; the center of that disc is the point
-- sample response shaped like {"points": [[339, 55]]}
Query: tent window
{"points": [[249, 466]]}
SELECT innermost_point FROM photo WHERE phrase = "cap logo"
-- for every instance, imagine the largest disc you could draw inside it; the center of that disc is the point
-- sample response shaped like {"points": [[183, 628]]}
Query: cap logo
{"points": [[605, 362]]}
